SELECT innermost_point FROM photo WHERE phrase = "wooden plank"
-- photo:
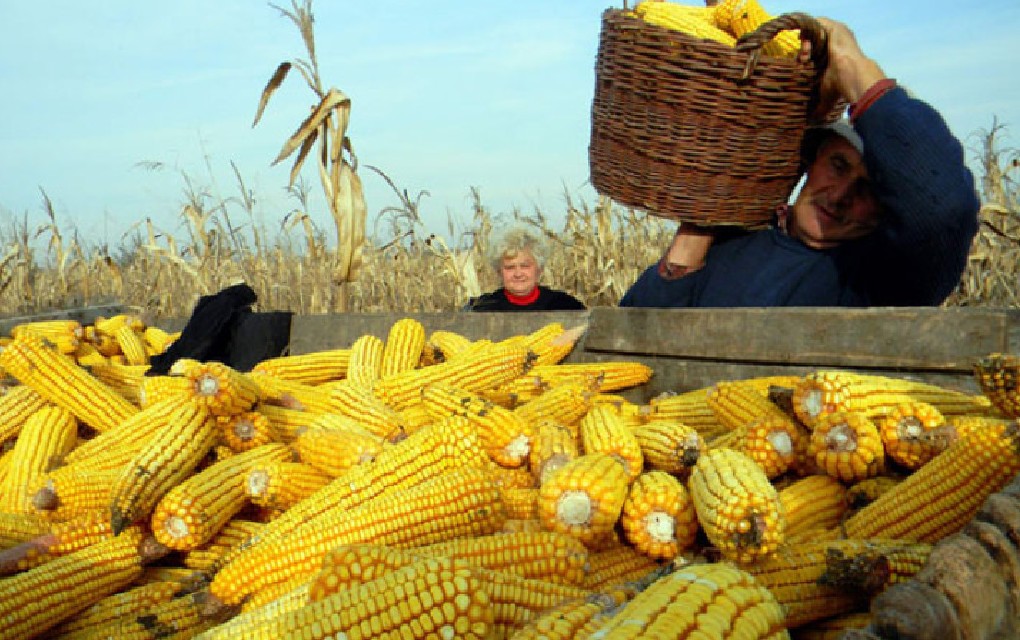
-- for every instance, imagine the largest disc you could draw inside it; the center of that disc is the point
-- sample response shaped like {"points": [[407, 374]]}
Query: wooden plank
{"points": [[84, 315], [338, 331], [897, 338]]}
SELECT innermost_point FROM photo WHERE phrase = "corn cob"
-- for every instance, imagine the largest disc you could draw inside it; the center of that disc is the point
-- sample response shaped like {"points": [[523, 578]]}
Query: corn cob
{"points": [[584, 498], [997, 376], [403, 348], [365, 365], [718, 600], [110, 325], [516, 600], [135, 601], [334, 451], [814, 502], [617, 565], [740, 17], [552, 343], [245, 431], [17, 404], [540, 555], [44, 441], [155, 389], [510, 477], [565, 404], [668, 445], [913, 433], [738, 404], [157, 340], [124, 379], [221, 389], [40, 598], [775, 442], [63, 538], [281, 485], [824, 392], [115, 448], [46, 328], [943, 495], [552, 447], [847, 446], [603, 431], [460, 503], [360, 405], [521, 502], [292, 395], [446, 344], [737, 507], [60, 380], [863, 493], [516, 392], [658, 515], [577, 618], [689, 19], [166, 459], [816, 580], [607, 376], [438, 598], [690, 409], [312, 368], [132, 345], [16, 528], [71, 491], [287, 423], [234, 533], [192, 512], [504, 435], [174, 619], [430, 452]]}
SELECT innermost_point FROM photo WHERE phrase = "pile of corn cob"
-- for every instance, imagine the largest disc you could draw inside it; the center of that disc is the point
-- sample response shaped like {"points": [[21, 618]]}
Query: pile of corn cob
{"points": [[432, 486], [723, 23]]}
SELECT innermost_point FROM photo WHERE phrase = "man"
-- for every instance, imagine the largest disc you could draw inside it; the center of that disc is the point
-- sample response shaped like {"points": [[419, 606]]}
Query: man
{"points": [[885, 216]]}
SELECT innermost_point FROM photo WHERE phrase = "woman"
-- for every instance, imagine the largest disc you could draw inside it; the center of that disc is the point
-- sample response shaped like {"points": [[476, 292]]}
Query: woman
{"points": [[519, 258]]}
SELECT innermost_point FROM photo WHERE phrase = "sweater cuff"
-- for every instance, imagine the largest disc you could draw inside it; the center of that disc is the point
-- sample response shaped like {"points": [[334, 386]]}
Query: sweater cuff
{"points": [[870, 96]]}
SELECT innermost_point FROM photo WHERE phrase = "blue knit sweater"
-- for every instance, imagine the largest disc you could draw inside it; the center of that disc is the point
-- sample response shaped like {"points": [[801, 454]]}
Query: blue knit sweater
{"points": [[915, 258]]}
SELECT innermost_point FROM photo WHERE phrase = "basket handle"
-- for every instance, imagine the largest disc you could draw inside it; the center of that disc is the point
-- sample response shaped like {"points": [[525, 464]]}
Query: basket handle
{"points": [[810, 29]]}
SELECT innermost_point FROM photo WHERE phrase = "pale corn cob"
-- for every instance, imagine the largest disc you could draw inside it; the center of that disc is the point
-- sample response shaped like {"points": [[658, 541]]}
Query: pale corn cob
{"points": [[690, 409], [552, 447], [584, 498], [60, 380], [668, 445], [658, 515], [618, 565], [738, 508], [811, 503], [192, 512]]}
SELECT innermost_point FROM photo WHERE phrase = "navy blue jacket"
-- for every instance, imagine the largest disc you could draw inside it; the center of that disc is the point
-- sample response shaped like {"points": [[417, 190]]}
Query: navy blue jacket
{"points": [[915, 258]]}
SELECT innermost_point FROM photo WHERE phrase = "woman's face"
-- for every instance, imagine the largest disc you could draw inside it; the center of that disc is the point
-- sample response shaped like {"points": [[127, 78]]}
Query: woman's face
{"points": [[520, 273]]}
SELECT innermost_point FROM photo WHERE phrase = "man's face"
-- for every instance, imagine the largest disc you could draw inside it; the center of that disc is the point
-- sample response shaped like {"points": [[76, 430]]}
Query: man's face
{"points": [[520, 273], [836, 203]]}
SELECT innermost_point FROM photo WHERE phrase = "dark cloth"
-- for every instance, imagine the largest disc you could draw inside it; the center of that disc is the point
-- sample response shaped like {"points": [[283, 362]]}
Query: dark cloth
{"points": [[223, 328], [548, 300], [915, 258]]}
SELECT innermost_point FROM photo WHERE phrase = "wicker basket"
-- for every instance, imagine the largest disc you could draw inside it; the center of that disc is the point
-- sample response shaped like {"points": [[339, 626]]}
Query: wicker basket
{"points": [[694, 130]]}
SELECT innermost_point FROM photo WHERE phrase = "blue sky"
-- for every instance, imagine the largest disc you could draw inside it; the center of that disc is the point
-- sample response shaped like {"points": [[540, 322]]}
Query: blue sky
{"points": [[446, 96]]}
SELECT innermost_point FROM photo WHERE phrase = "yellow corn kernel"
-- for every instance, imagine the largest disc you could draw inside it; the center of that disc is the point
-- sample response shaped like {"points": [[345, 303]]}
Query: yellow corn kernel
{"points": [[48, 435], [811, 503], [157, 340], [690, 409], [333, 450], [73, 490], [618, 565], [505, 435], [312, 368], [282, 484], [218, 387], [155, 389], [246, 430], [124, 379], [692, 20], [565, 404], [913, 433], [737, 506], [668, 445], [740, 17], [135, 601], [446, 344], [132, 345], [365, 365], [552, 447], [361, 405], [603, 431], [17, 404], [403, 347]]}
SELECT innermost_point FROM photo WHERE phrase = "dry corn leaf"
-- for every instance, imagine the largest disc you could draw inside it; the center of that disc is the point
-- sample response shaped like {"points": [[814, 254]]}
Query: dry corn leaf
{"points": [[271, 86], [306, 146], [335, 98]]}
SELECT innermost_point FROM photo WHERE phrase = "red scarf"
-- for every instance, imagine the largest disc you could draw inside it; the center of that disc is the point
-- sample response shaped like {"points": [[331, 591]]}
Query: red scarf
{"points": [[522, 301]]}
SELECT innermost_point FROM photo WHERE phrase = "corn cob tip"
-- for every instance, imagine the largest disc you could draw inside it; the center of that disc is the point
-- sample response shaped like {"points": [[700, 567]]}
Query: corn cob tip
{"points": [[118, 521], [46, 499]]}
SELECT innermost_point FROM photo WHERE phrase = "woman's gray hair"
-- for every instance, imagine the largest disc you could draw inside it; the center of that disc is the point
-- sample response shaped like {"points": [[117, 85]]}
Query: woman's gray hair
{"points": [[512, 242]]}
